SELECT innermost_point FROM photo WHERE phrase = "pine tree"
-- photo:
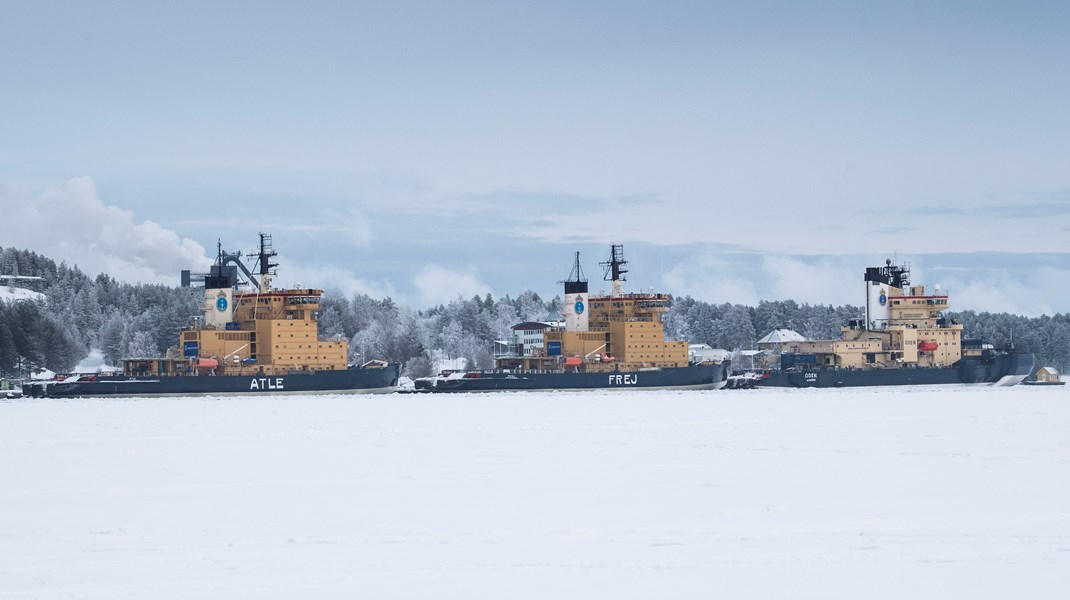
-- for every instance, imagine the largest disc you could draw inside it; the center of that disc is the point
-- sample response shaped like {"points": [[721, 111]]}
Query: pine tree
{"points": [[61, 350], [111, 338], [9, 264], [409, 339], [9, 356], [26, 334], [734, 330]]}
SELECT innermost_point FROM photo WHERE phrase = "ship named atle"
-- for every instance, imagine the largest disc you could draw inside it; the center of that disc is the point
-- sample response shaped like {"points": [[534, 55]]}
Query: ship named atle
{"points": [[259, 340]]}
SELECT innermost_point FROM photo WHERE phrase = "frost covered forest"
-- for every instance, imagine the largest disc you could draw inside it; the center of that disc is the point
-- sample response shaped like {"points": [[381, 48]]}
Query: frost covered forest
{"points": [[79, 313]]}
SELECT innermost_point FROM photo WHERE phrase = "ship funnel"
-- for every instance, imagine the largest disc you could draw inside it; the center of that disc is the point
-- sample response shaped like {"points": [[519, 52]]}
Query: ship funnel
{"points": [[576, 308], [880, 281], [218, 306]]}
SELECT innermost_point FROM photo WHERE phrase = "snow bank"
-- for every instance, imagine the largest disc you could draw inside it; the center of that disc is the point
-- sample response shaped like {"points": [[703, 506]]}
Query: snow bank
{"points": [[43, 375], [11, 294], [886, 493]]}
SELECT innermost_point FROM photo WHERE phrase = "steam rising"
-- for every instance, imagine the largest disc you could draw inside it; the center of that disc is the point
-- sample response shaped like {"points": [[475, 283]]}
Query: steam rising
{"points": [[439, 285], [74, 225]]}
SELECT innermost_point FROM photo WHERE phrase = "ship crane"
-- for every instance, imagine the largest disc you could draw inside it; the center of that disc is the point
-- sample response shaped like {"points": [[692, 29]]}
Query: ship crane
{"points": [[227, 265]]}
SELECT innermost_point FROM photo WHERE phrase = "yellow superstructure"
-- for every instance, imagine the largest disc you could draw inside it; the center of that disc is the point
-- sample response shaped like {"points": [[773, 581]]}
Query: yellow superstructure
{"points": [[903, 328], [263, 331], [271, 334], [620, 332]]}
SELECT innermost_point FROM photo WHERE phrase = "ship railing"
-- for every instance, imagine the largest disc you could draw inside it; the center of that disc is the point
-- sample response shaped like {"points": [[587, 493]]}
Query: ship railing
{"points": [[636, 296], [622, 318], [590, 328]]}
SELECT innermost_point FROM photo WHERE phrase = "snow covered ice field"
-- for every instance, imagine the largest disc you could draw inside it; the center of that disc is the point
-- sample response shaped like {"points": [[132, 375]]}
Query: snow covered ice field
{"points": [[877, 493]]}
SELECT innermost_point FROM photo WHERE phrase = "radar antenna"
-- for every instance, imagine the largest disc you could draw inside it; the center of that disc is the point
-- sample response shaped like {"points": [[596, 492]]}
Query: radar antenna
{"points": [[614, 267], [265, 255], [263, 259]]}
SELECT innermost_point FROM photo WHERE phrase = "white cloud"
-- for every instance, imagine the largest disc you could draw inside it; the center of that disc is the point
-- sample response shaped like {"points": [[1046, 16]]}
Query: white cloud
{"points": [[439, 285], [1029, 294], [743, 280], [826, 281], [73, 224], [332, 278], [712, 280]]}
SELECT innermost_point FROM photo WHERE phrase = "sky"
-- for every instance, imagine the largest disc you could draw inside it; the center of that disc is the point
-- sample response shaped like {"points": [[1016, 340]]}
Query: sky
{"points": [[425, 151]]}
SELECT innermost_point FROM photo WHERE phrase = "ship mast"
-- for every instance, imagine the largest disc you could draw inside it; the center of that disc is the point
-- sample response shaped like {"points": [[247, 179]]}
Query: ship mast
{"points": [[576, 274], [264, 259], [614, 268]]}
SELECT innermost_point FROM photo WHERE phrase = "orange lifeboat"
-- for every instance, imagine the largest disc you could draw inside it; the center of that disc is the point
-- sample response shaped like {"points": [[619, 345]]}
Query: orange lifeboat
{"points": [[573, 361], [207, 363], [928, 346]]}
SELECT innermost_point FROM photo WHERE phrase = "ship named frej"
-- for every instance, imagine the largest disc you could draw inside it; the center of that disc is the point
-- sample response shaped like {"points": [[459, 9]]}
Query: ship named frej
{"points": [[250, 340], [614, 341]]}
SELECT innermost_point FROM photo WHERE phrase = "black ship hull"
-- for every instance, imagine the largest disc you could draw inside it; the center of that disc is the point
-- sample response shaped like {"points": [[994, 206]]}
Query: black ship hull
{"points": [[1001, 370], [382, 380], [703, 376]]}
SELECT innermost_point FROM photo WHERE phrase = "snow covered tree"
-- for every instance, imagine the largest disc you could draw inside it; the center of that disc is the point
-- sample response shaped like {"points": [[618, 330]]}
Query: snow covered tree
{"points": [[451, 339], [408, 341], [142, 345], [530, 307], [476, 351], [9, 264], [111, 338], [734, 331]]}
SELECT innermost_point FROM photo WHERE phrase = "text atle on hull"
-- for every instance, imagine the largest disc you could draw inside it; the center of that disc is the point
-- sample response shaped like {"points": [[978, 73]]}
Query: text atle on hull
{"points": [[254, 341], [903, 340], [606, 342]]}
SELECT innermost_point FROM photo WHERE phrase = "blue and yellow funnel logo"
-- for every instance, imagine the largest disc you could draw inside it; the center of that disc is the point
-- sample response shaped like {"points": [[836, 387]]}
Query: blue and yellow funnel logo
{"points": [[883, 298]]}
